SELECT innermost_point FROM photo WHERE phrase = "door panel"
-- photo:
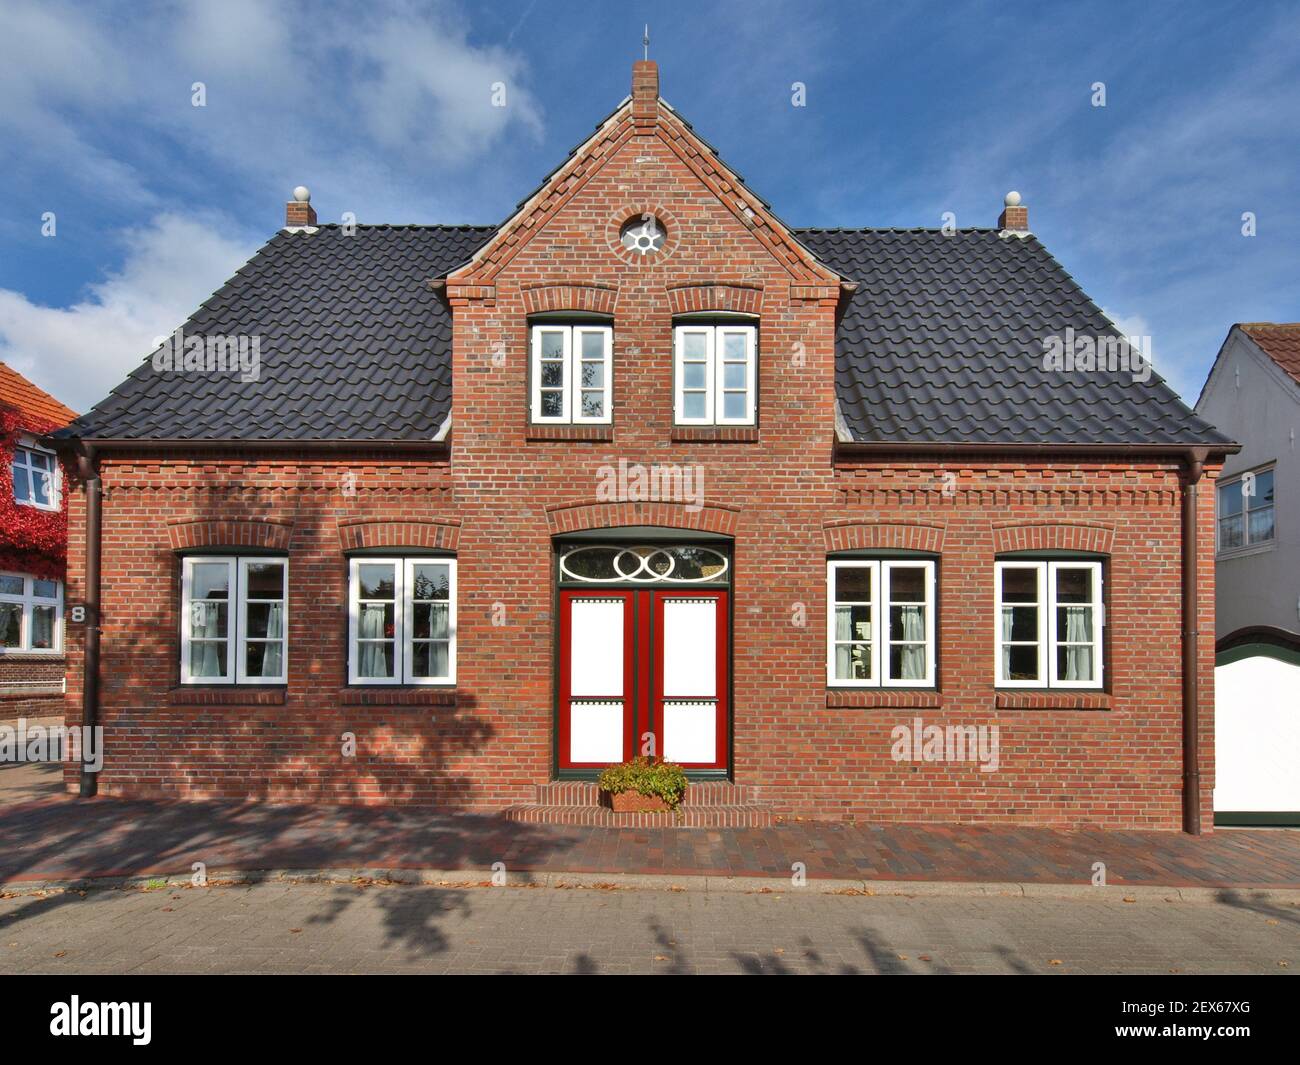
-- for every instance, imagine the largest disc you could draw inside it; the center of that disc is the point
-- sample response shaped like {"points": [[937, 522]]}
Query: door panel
{"points": [[692, 655], [595, 681]]}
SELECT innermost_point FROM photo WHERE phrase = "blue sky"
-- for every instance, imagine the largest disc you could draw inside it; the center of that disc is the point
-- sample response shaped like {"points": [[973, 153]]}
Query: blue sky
{"points": [[384, 109]]}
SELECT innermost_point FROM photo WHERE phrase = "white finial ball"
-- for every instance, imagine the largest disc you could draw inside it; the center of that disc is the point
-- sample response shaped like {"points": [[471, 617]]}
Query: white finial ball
{"points": [[1012, 199], [302, 194]]}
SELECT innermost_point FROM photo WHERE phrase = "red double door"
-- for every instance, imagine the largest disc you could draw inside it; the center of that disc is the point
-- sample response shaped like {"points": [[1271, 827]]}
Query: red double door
{"points": [[643, 672]]}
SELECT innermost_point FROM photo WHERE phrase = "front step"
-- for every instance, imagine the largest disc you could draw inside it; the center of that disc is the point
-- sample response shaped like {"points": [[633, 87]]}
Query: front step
{"points": [[707, 804]]}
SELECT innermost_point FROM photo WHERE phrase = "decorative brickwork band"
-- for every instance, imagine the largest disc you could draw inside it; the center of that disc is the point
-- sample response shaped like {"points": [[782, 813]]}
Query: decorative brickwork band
{"points": [[432, 535], [737, 297], [272, 536], [856, 535], [590, 514], [1052, 536], [570, 296]]}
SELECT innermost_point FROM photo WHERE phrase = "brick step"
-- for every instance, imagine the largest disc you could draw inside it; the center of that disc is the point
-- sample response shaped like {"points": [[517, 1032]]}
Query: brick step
{"points": [[698, 793], [719, 816]]}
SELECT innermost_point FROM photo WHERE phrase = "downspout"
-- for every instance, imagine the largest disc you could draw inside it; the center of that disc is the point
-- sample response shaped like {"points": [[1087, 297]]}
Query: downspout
{"points": [[89, 475], [1191, 615]]}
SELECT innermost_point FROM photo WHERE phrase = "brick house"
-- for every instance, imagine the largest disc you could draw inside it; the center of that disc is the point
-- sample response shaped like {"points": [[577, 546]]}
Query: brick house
{"points": [[33, 550], [645, 469]]}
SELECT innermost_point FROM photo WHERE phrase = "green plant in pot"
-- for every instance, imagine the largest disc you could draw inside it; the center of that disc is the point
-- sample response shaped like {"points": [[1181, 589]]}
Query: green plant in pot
{"points": [[643, 784]]}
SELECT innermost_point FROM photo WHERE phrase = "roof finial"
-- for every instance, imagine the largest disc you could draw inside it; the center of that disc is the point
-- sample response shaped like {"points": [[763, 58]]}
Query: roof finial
{"points": [[645, 40]]}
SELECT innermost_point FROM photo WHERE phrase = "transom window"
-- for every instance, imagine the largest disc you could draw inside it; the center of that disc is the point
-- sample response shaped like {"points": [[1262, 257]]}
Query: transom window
{"points": [[714, 374], [667, 564], [881, 623], [402, 621], [571, 372], [31, 614], [1049, 624], [1246, 510], [234, 620], [36, 478]]}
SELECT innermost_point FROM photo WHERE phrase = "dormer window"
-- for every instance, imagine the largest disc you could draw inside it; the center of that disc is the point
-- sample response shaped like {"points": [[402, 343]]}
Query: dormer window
{"points": [[715, 374], [36, 477], [571, 372]]}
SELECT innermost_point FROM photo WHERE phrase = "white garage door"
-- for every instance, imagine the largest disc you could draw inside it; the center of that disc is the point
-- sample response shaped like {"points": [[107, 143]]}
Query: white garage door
{"points": [[1257, 738]]}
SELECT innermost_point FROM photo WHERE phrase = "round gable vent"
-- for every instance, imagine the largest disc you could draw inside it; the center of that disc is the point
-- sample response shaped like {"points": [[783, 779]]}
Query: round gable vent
{"points": [[642, 235]]}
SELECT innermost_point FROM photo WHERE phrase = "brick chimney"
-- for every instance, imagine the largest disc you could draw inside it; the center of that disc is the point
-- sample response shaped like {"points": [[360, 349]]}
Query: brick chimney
{"points": [[299, 212], [645, 94], [1015, 216]]}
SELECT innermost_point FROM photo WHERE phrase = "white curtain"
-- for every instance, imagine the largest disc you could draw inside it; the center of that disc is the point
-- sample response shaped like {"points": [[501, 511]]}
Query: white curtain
{"points": [[206, 625], [912, 664], [273, 658], [1078, 629], [1007, 621], [372, 628]]}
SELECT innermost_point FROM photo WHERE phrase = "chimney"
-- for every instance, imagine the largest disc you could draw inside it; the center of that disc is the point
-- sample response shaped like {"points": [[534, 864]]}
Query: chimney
{"points": [[298, 212], [645, 94], [1015, 216]]}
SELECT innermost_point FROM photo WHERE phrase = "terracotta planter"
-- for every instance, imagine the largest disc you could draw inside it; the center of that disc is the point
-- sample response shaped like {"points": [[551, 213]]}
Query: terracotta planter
{"points": [[633, 802]]}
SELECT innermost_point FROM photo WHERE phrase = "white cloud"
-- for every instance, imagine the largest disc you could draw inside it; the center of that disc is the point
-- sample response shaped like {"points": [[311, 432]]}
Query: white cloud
{"points": [[79, 353]]}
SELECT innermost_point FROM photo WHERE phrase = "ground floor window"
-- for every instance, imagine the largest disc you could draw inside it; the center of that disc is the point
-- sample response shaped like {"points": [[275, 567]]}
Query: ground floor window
{"points": [[1049, 622], [31, 613], [402, 621], [881, 623], [234, 620]]}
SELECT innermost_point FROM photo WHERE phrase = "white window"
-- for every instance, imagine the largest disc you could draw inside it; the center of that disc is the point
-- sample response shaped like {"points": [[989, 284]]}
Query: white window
{"points": [[1049, 622], [880, 625], [714, 374], [234, 620], [571, 374], [31, 614], [36, 477], [1246, 510], [402, 621]]}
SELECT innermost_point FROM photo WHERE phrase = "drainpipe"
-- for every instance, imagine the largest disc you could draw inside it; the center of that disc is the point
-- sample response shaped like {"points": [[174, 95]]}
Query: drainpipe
{"points": [[1191, 686], [89, 475]]}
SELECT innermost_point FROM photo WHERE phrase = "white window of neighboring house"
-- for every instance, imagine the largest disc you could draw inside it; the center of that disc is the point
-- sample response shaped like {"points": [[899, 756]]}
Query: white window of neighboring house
{"points": [[1049, 622], [234, 619], [880, 624], [36, 476], [714, 374], [402, 620], [1246, 510], [572, 367], [31, 614]]}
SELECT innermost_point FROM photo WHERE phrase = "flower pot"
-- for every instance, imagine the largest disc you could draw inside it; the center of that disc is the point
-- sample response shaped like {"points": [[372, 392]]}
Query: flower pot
{"points": [[633, 802]]}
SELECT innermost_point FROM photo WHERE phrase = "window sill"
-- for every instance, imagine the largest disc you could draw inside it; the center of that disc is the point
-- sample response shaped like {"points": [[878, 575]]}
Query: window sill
{"points": [[904, 698], [19, 655], [597, 433], [1245, 552], [395, 695], [226, 695], [1057, 699], [717, 434]]}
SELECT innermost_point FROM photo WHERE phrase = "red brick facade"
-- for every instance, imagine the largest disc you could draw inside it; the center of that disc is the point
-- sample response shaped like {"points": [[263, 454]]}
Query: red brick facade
{"points": [[505, 489]]}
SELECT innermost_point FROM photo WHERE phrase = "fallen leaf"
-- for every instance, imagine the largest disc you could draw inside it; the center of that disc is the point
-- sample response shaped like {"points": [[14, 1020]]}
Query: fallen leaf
{"points": [[60, 953], [1054, 961], [295, 929]]}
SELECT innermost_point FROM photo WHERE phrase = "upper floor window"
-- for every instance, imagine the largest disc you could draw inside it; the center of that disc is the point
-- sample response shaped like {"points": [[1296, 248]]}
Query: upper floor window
{"points": [[714, 374], [571, 372], [234, 620], [1246, 510], [36, 477], [1048, 627], [31, 614], [402, 621], [881, 624]]}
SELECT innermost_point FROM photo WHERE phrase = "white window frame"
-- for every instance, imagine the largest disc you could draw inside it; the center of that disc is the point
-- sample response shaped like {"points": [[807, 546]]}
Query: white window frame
{"points": [[1048, 640], [403, 619], [1247, 545], [715, 391], [571, 382], [236, 618], [881, 599], [28, 600], [54, 486]]}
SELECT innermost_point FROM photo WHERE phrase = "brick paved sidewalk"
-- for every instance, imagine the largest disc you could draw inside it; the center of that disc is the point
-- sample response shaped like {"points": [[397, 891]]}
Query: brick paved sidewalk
{"points": [[67, 839]]}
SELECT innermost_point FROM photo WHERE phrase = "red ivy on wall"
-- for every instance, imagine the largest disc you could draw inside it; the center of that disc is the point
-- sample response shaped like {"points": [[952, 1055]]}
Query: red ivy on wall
{"points": [[31, 540]]}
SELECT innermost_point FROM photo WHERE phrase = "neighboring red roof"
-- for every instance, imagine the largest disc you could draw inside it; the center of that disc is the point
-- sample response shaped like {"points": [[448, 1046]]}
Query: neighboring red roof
{"points": [[1279, 341], [17, 391]]}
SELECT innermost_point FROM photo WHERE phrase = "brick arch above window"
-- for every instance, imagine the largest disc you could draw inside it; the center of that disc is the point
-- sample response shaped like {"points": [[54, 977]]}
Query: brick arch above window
{"points": [[738, 297], [269, 535], [570, 296], [440, 535], [1052, 536], [856, 535], [594, 514]]}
